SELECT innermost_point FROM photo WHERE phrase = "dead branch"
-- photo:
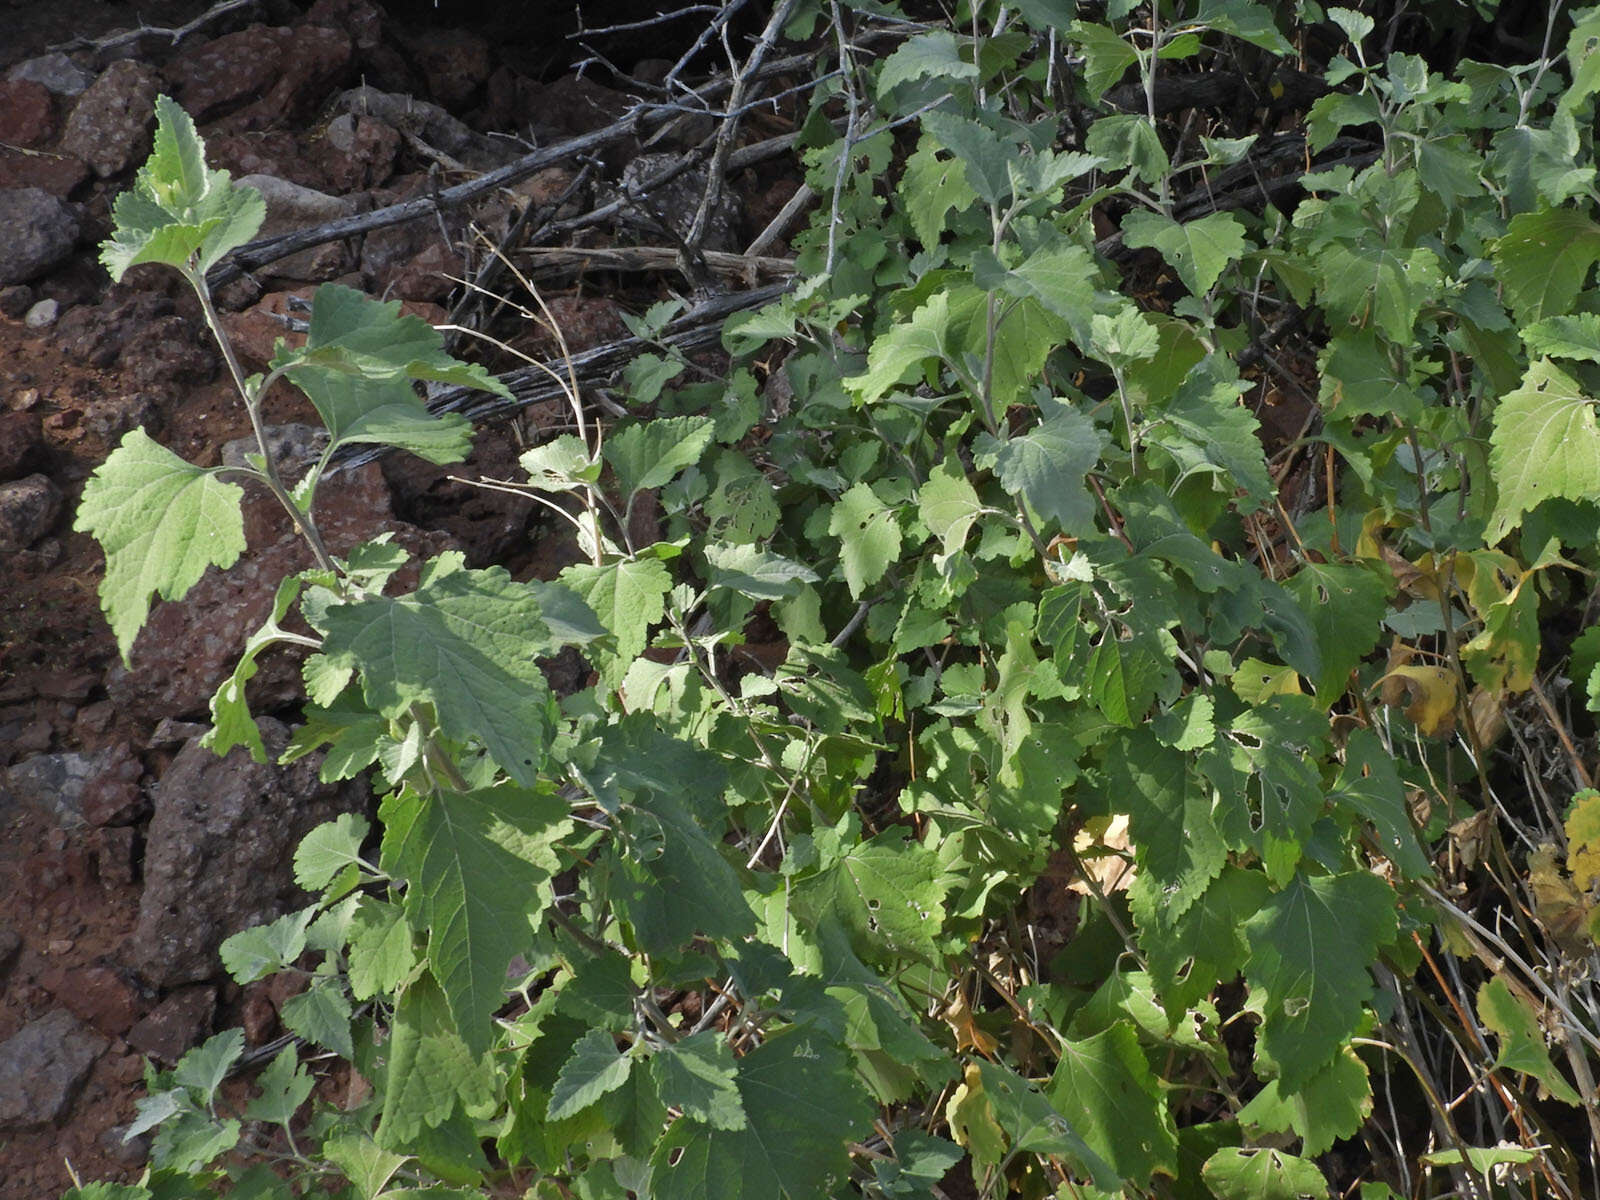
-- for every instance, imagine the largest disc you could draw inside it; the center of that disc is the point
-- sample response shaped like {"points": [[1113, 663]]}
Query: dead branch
{"points": [[173, 37]]}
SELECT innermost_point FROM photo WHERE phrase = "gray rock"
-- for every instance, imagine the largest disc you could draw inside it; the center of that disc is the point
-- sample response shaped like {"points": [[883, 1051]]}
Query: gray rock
{"points": [[10, 947], [55, 783], [43, 314], [41, 231], [291, 207], [430, 124], [110, 125], [220, 848], [15, 300], [56, 72], [180, 1021], [676, 202], [43, 1066], [28, 509], [294, 447]]}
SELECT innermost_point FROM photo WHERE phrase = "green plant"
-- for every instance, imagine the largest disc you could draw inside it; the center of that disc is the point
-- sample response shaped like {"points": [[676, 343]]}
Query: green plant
{"points": [[1033, 603]]}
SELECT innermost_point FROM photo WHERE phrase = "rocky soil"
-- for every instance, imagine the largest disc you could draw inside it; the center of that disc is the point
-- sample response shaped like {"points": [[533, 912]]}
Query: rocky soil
{"points": [[127, 853]]}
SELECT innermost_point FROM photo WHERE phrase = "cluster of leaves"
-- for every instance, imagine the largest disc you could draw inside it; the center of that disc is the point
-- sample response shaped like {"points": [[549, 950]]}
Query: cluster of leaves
{"points": [[1009, 594]]}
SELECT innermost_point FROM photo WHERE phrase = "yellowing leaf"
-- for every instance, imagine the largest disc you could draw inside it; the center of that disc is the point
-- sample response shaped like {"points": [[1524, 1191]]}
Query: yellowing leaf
{"points": [[1522, 1043], [1583, 839], [1430, 697]]}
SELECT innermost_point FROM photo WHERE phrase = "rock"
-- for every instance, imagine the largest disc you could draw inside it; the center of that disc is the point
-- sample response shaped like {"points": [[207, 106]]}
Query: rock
{"points": [[42, 1067], [96, 335], [142, 334], [360, 20], [10, 947], [266, 152], [129, 1151], [112, 796], [27, 116], [357, 152], [262, 75], [55, 783], [576, 104], [42, 315], [180, 1021], [110, 125], [429, 276], [294, 447], [255, 332], [58, 174], [169, 352], [215, 77], [28, 509], [219, 853], [114, 850], [22, 449], [41, 230], [98, 996], [430, 124], [15, 300], [455, 62], [291, 207], [676, 202], [55, 72]]}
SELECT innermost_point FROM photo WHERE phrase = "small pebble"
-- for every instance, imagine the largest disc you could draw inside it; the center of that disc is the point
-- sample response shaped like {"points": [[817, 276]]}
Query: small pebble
{"points": [[43, 314], [59, 946], [15, 300]]}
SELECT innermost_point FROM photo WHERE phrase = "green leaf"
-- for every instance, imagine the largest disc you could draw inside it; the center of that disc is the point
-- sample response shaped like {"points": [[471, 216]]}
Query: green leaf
{"points": [[649, 454], [560, 464], [1377, 287], [329, 849], [1235, 1174], [629, 596], [161, 522], [1060, 276], [467, 856], [1522, 1042], [1346, 603], [887, 892], [231, 723], [1198, 250], [935, 54], [595, 1068], [870, 535], [1331, 1105], [1169, 818], [262, 950], [931, 188], [948, 504], [1575, 337], [1033, 1124], [1312, 944], [1105, 1088], [1359, 378], [353, 334], [102, 1190], [365, 1164], [428, 1067], [464, 642], [802, 1107], [178, 212], [1046, 466], [699, 1076], [1544, 259], [1106, 57], [1370, 785], [1545, 443], [686, 887], [207, 1065], [1206, 429], [1247, 21], [384, 412], [321, 1014], [759, 574], [284, 1088], [381, 954]]}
